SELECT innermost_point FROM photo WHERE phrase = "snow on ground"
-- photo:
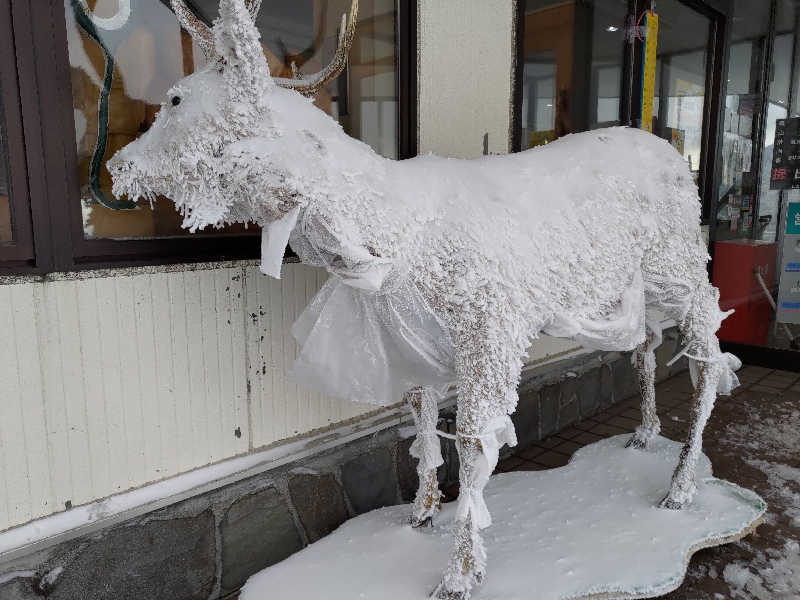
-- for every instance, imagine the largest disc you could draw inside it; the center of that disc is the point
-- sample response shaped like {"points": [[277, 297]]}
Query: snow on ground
{"points": [[774, 573], [779, 434], [589, 527], [784, 481], [772, 576]]}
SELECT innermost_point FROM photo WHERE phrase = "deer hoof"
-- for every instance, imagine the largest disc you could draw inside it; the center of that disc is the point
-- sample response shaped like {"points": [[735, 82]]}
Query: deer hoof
{"points": [[441, 593], [417, 523], [671, 504], [636, 442]]}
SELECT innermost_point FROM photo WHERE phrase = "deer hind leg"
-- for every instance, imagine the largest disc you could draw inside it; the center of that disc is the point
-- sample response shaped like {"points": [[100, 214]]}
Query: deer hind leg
{"points": [[644, 360], [712, 371], [427, 450]]}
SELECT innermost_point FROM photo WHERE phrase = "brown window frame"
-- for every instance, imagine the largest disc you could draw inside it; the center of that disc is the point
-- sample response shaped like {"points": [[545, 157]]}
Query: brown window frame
{"points": [[20, 251], [33, 52]]}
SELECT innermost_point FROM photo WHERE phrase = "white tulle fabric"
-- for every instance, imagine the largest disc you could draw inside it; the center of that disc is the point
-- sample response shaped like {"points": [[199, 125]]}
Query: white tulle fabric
{"points": [[368, 335], [622, 327], [728, 381], [274, 238], [498, 431], [371, 347]]}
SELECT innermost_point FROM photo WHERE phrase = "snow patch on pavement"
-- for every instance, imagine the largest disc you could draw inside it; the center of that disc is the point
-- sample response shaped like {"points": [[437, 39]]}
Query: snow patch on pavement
{"points": [[776, 575], [773, 574]]}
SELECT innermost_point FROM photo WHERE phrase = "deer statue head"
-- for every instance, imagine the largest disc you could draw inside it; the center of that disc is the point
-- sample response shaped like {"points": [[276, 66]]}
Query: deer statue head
{"points": [[227, 141]]}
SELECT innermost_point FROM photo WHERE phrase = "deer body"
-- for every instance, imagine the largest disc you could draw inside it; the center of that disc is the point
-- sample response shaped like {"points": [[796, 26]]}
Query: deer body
{"points": [[464, 262]]}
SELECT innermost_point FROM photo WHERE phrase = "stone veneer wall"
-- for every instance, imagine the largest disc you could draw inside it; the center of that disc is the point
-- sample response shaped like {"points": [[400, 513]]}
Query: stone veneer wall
{"points": [[206, 547]]}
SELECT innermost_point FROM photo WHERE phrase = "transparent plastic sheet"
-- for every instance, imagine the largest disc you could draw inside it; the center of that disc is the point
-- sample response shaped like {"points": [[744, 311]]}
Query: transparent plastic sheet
{"points": [[368, 335], [394, 341], [497, 432], [728, 381], [679, 299], [621, 328], [371, 347]]}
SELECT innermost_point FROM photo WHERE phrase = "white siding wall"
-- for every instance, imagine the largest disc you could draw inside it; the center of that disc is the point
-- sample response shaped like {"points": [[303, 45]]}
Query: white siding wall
{"points": [[466, 57], [108, 383], [280, 409]]}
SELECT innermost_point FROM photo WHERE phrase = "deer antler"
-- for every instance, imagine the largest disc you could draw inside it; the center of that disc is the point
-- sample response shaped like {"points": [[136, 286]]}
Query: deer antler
{"points": [[308, 85], [198, 29], [292, 62], [311, 84]]}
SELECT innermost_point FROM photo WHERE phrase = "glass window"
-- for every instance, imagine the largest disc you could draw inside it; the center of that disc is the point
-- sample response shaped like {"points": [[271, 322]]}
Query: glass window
{"points": [[769, 200], [757, 260], [737, 191], [122, 63], [6, 233], [681, 56], [572, 72]]}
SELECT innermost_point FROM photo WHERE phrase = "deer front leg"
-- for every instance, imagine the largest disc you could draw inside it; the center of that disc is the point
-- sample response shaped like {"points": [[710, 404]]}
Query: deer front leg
{"points": [[467, 565], [427, 450], [644, 360], [488, 365]]}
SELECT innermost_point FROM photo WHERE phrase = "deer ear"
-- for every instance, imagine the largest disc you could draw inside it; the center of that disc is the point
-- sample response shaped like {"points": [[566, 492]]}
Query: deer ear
{"points": [[238, 44]]}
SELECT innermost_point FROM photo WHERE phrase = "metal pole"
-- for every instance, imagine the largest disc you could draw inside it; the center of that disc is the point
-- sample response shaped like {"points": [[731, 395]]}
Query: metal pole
{"points": [[774, 306]]}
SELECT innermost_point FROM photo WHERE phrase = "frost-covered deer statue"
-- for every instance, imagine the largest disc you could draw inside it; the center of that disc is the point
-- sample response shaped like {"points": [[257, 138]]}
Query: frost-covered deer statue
{"points": [[441, 271]]}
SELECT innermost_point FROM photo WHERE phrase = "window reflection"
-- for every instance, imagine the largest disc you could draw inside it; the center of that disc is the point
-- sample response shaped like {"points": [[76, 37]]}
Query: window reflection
{"points": [[753, 262], [777, 108], [572, 68], [742, 113], [683, 36], [147, 52]]}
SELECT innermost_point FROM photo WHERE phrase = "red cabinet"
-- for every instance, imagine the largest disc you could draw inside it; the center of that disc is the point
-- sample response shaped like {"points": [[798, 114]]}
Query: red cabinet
{"points": [[735, 265]]}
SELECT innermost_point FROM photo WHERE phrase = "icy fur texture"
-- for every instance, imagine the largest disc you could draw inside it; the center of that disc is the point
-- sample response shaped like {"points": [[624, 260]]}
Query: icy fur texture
{"points": [[428, 452], [448, 268], [644, 360]]}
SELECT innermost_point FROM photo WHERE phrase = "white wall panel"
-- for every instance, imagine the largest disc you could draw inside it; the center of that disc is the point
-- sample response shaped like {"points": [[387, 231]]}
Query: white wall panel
{"points": [[280, 408], [466, 53], [19, 423], [110, 382]]}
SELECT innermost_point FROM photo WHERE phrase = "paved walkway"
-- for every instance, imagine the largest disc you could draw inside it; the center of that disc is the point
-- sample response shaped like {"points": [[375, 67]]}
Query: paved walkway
{"points": [[752, 439]]}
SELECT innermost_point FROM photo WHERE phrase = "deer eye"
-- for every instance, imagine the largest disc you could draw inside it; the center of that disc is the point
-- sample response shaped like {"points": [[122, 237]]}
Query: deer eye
{"points": [[176, 100]]}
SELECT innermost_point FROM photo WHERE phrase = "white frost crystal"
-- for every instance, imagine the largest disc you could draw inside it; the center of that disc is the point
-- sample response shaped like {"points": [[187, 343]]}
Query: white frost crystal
{"points": [[442, 270]]}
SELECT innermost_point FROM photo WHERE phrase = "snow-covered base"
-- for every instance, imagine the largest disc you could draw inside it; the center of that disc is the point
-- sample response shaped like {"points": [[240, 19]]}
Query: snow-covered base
{"points": [[590, 529]]}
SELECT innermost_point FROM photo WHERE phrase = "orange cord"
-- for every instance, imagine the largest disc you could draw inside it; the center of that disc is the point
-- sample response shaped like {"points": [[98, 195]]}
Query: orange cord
{"points": [[639, 21]]}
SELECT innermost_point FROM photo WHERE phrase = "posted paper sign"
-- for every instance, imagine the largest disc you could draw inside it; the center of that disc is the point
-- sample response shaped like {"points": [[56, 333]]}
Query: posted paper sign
{"points": [[785, 169], [789, 294]]}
